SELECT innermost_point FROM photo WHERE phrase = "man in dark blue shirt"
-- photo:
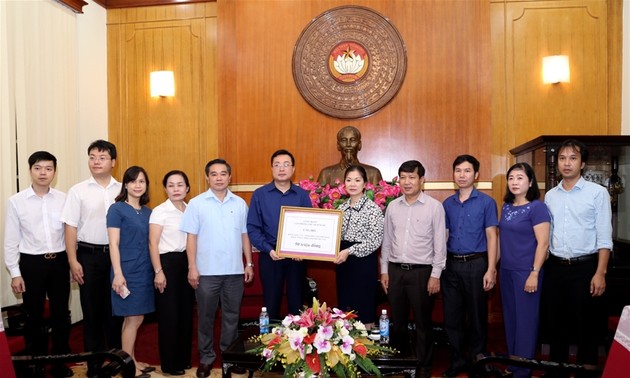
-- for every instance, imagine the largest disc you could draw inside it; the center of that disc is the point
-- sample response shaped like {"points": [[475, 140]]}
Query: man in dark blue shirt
{"points": [[471, 221], [262, 227]]}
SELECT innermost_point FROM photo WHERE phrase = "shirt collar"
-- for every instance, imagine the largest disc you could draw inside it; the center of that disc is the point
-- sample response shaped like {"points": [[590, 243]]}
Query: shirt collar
{"points": [[210, 194], [474, 193], [112, 181], [579, 184], [357, 206], [30, 192], [272, 187], [171, 206], [421, 198]]}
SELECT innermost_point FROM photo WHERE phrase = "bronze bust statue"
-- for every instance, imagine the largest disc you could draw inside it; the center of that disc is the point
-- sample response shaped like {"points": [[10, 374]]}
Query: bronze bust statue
{"points": [[349, 145]]}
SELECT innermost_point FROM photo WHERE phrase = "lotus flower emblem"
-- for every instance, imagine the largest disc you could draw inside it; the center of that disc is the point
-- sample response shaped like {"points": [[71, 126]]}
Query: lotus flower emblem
{"points": [[349, 62]]}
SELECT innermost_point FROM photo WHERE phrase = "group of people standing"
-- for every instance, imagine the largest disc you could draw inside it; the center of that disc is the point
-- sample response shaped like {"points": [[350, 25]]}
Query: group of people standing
{"points": [[553, 259], [115, 247]]}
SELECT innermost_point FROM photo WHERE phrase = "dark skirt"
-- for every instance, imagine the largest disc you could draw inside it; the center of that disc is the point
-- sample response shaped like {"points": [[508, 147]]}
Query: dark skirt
{"points": [[357, 280]]}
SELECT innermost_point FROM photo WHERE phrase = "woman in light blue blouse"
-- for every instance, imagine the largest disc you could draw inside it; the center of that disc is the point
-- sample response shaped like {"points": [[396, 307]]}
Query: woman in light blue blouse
{"points": [[362, 235]]}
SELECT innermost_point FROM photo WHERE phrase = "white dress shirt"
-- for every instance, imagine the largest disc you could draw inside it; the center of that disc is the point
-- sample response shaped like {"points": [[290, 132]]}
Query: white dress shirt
{"points": [[86, 209], [32, 226], [169, 217]]}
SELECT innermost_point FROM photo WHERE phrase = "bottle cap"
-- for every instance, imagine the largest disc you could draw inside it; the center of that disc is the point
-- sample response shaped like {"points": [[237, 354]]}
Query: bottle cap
{"points": [[264, 309], [384, 311]]}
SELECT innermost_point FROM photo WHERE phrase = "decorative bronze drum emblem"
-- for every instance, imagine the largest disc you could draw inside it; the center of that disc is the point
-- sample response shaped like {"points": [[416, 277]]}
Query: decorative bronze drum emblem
{"points": [[349, 62]]}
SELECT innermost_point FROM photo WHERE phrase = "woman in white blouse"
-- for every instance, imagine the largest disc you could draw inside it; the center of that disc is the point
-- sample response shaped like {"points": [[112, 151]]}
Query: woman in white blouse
{"points": [[362, 235], [174, 297]]}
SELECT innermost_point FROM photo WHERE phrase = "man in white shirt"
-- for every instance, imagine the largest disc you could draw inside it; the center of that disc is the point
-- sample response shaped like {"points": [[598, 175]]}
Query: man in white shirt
{"points": [[84, 215], [34, 253]]}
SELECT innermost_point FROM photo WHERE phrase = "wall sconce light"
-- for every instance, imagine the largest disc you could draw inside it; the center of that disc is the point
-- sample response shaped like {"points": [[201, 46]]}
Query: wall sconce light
{"points": [[162, 84], [556, 69]]}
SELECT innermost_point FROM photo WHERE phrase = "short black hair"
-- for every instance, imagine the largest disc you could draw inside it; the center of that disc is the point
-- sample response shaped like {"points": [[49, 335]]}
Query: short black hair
{"points": [[218, 161], [466, 158], [41, 156], [356, 168], [533, 193], [282, 152], [130, 175], [411, 166], [103, 145], [173, 173], [575, 145]]}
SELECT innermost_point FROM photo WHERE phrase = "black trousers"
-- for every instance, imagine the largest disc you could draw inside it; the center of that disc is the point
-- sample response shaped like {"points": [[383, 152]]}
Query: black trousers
{"points": [[465, 309], [46, 276], [275, 275], [408, 290], [175, 313], [570, 312], [101, 330]]}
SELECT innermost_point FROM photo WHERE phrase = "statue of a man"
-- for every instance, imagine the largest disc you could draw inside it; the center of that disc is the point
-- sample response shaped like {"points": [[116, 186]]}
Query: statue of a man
{"points": [[349, 145]]}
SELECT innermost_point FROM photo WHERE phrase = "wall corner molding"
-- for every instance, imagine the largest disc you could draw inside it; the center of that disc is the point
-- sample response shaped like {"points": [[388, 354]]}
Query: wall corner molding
{"points": [[75, 5], [113, 4]]}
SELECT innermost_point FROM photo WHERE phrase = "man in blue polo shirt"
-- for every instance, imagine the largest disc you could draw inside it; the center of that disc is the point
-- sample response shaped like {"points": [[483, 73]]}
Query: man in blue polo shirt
{"points": [[262, 226], [471, 221], [215, 222]]}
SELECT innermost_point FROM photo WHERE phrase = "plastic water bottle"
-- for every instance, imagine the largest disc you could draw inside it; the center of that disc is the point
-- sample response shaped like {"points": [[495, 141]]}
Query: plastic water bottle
{"points": [[383, 326], [263, 321]]}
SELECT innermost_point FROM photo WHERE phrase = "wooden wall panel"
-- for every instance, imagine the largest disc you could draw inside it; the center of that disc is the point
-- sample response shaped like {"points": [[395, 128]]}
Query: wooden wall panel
{"points": [[574, 28], [522, 106], [472, 86], [442, 109], [162, 134]]}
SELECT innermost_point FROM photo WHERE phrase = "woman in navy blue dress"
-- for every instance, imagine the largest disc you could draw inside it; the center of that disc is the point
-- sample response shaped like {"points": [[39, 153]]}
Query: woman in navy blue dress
{"points": [[132, 273], [523, 238]]}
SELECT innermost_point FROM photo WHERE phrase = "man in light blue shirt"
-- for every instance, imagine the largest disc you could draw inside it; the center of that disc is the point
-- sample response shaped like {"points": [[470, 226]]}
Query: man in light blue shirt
{"points": [[580, 244], [216, 227]]}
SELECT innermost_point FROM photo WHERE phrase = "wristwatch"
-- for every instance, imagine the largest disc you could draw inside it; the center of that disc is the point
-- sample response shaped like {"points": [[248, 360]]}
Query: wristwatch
{"points": [[250, 264], [534, 269]]}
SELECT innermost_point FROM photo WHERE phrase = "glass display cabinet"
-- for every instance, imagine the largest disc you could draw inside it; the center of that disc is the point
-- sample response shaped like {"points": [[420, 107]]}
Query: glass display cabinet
{"points": [[608, 165]]}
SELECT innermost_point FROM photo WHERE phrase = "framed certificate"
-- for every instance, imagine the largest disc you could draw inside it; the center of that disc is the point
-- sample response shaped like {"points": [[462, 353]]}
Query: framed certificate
{"points": [[309, 233]]}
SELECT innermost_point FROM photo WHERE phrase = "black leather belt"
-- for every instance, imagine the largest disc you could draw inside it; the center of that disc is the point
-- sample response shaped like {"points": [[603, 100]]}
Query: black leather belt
{"points": [[574, 260], [466, 257], [46, 256], [405, 266], [94, 248]]}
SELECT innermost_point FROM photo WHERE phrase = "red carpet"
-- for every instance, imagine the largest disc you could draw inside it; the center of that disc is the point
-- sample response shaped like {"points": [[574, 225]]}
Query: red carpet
{"points": [[146, 343]]}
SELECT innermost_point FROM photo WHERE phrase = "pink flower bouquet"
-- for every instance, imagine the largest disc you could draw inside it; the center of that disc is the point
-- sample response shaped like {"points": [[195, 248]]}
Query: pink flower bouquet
{"points": [[331, 196], [319, 341]]}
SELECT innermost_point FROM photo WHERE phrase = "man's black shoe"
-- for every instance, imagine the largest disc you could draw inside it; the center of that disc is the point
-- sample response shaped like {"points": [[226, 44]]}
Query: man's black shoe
{"points": [[174, 372], [203, 371]]}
